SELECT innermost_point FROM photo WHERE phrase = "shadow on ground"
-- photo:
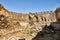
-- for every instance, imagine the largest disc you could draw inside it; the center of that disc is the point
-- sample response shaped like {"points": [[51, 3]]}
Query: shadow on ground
{"points": [[51, 32]]}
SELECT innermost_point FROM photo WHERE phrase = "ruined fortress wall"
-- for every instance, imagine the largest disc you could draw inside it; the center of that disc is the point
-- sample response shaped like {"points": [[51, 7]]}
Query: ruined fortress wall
{"points": [[26, 17], [19, 17], [14, 23]]}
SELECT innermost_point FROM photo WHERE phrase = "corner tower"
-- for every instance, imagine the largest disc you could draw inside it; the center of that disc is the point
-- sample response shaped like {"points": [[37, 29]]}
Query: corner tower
{"points": [[1, 7], [3, 11], [57, 12]]}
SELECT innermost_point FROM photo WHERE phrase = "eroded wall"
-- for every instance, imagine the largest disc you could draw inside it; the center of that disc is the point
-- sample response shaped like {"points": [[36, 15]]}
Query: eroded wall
{"points": [[14, 23]]}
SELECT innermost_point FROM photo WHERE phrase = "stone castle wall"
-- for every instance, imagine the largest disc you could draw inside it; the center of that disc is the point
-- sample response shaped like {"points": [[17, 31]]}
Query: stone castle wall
{"points": [[15, 23]]}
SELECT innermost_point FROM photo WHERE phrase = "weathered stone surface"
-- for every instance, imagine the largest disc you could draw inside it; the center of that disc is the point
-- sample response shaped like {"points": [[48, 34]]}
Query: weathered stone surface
{"points": [[15, 26]]}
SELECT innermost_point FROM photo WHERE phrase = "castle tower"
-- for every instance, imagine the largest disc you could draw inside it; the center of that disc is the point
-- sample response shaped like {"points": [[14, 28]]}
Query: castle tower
{"points": [[57, 11], [1, 7], [3, 11]]}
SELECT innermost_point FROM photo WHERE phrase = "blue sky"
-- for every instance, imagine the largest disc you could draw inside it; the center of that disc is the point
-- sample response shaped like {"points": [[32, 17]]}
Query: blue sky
{"points": [[30, 5]]}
